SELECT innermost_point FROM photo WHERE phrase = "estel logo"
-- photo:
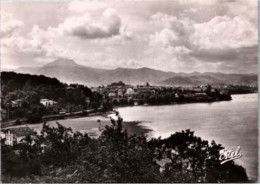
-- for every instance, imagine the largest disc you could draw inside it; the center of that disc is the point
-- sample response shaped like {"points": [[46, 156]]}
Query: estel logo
{"points": [[229, 155]]}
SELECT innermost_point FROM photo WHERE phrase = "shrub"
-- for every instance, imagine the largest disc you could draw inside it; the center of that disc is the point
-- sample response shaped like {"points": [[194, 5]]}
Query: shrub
{"points": [[60, 155]]}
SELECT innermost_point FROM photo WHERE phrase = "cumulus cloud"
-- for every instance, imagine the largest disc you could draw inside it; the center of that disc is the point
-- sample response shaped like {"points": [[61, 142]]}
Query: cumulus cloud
{"points": [[220, 32], [230, 38], [100, 25], [37, 42], [173, 35], [225, 32], [183, 34], [165, 38], [181, 28], [181, 50], [9, 26], [88, 27]]}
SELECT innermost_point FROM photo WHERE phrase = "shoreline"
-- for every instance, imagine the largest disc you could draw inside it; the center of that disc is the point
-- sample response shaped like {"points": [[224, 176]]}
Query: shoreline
{"points": [[138, 124], [23, 123], [173, 103], [105, 114]]}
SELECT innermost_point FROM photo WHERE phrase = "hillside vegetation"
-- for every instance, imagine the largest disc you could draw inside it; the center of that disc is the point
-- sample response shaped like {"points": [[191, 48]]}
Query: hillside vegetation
{"points": [[30, 89]]}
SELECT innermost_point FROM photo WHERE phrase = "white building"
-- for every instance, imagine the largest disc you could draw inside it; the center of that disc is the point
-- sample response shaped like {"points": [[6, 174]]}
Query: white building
{"points": [[16, 103], [120, 92], [112, 94], [15, 135], [130, 91], [47, 102], [10, 138]]}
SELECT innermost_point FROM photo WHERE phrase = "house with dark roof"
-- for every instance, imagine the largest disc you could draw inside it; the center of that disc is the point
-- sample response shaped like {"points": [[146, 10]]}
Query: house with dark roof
{"points": [[12, 136], [16, 103]]}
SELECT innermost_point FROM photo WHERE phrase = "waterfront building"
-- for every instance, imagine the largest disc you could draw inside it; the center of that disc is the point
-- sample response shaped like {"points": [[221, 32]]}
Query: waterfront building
{"points": [[47, 102]]}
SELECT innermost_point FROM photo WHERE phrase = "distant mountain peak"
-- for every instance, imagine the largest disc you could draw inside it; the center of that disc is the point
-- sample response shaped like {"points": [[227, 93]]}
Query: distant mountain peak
{"points": [[62, 62], [67, 70], [138, 69]]}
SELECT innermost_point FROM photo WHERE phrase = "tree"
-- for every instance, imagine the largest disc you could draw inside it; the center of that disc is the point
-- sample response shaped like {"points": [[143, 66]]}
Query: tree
{"points": [[12, 85], [31, 88], [115, 156], [208, 90]]}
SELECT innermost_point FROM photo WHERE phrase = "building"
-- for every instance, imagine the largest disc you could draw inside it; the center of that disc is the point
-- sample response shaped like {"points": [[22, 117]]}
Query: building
{"points": [[130, 91], [144, 89], [10, 137], [112, 93], [197, 90], [2, 135], [15, 135], [120, 92], [94, 89], [16, 103], [87, 100], [47, 102]]}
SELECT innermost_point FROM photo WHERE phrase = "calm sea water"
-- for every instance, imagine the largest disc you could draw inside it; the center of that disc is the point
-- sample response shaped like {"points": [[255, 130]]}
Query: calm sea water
{"points": [[232, 124]]}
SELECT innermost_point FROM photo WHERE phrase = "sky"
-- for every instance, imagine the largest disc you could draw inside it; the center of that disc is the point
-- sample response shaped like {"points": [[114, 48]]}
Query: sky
{"points": [[175, 35]]}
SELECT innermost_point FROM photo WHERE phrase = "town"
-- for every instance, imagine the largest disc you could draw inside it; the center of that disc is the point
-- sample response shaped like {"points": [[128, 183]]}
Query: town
{"points": [[116, 94], [27, 100], [111, 96], [121, 94]]}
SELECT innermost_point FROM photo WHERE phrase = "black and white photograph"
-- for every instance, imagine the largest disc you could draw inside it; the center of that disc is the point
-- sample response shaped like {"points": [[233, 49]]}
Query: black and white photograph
{"points": [[129, 91]]}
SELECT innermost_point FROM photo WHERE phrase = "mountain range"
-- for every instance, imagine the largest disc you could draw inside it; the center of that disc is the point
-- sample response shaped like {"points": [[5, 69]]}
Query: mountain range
{"points": [[69, 71]]}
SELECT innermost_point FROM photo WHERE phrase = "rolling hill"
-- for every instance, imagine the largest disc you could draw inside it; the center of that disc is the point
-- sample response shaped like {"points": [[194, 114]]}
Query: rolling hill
{"points": [[211, 78], [70, 72], [191, 80]]}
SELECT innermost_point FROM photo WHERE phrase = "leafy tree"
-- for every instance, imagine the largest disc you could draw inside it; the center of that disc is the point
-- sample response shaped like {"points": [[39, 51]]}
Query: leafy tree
{"points": [[31, 88], [208, 89], [60, 155]]}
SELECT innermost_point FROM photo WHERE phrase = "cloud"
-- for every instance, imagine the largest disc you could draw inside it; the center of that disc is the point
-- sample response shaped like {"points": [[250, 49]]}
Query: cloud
{"points": [[80, 7], [88, 27], [164, 38], [173, 35], [220, 32], [199, 2], [183, 35], [237, 56], [223, 32], [221, 42], [238, 60], [180, 50], [9, 26], [223, 39], [99, 27]]}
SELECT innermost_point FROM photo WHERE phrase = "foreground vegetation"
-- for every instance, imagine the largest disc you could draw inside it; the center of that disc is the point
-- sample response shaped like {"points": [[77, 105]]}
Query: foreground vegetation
{"points": [[59, 155]]}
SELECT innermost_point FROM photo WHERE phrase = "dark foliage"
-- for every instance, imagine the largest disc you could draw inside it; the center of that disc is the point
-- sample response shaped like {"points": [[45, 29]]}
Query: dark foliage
{"points": [[59, 155], [241, 89], [29, 89]]}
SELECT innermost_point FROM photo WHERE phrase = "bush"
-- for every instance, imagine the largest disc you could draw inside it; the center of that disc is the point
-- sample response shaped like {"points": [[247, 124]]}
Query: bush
{"points": [[117, 157]]}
